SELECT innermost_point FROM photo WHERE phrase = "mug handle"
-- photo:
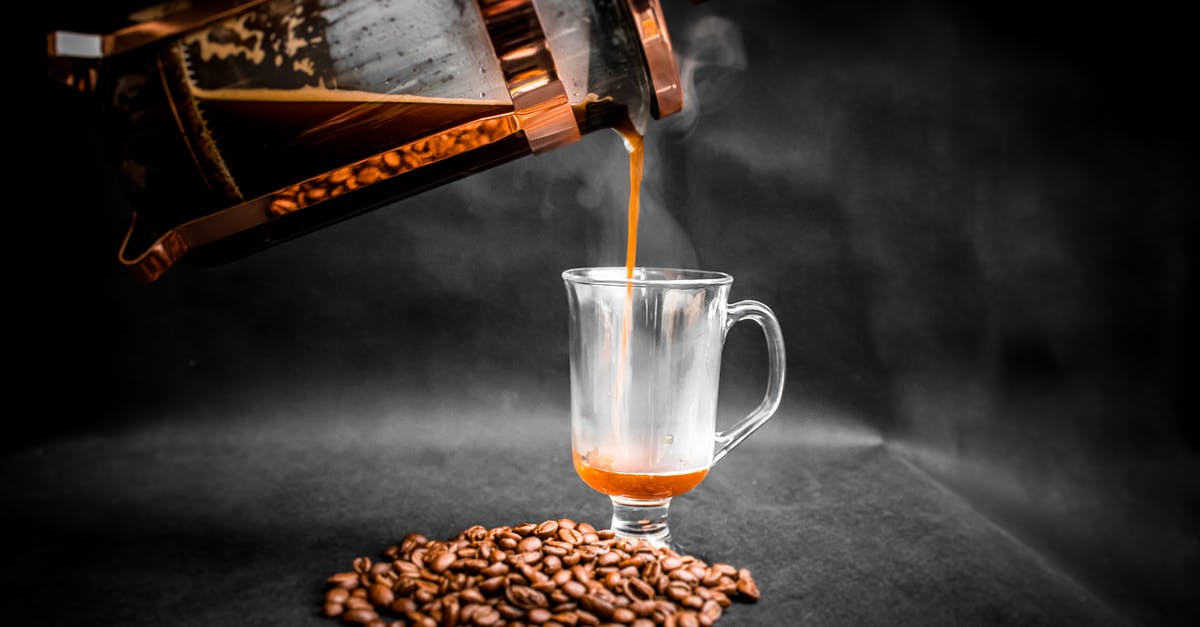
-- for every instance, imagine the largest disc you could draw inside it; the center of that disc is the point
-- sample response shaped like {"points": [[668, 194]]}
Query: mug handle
{"points": [[760, 313]]}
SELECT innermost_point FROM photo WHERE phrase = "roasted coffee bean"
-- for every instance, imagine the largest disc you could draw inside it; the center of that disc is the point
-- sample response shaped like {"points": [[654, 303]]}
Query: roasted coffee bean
{"points": [[509, 612], [570, 535], [746, 584], [530, 544], [495, 570], [710, 613], [361, 616], [678, 590], [525, 597], [568, 619], [403, 605], [587, 618], [466, 612], [687, 618], [381, 595], [638, 590], [608, 559], [475, 533], [551, 564], [357, 603], [337, 595], [485, 617], [442, 562], [623, 615], [344, 580], [597, 604], [547, 529], [417, 618], [574, 589]]}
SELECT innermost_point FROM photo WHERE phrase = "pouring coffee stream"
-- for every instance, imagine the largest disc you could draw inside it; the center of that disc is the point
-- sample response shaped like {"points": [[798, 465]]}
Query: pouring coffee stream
{"points": [[236, 126]]}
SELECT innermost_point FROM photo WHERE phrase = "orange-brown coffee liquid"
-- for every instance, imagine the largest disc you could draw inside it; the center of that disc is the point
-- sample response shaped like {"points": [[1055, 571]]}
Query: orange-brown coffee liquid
{"points": [[595, 468], [636, 147], [643, 486]]}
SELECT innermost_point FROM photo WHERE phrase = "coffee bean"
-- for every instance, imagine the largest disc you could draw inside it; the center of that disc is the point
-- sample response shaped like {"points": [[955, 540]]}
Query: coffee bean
{"points": [[495, 570], [687, 618], [746, 585], [333, 609], [485, 617], [509, 612], [566, 619], [570, 535], [623, 615], [381, 595], [639, 590], [492, 585], [526, 597], [574, 589], [710, 613], [357, 603], [403, 605], [671, 563], [595, 603], [547, 529], [362, 616], [530, 544], [344, 580]]}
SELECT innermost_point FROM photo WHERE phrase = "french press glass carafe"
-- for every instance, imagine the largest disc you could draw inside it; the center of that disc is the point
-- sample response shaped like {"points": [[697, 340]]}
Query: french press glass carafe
{"points": [[239, 125]]}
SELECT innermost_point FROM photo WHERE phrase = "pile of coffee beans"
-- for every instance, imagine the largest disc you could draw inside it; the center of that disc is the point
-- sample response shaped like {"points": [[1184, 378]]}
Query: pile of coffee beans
{"points": [[559, 573]]}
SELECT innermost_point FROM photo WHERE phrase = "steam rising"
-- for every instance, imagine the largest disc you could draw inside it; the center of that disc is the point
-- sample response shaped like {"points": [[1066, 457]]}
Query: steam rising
{"points": [[711, 61], [711, 58]]}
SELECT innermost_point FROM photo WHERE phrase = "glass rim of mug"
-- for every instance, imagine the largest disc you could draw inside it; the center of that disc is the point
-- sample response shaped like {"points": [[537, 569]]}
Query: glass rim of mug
{"points": [[647, 276]]}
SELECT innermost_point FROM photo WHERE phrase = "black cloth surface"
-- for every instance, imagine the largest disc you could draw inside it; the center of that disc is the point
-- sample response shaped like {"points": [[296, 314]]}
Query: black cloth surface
{"points": [[239, 521]]}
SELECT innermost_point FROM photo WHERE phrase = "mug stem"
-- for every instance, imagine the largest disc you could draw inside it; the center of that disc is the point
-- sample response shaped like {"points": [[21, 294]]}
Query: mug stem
{"points": [[642, 520]]}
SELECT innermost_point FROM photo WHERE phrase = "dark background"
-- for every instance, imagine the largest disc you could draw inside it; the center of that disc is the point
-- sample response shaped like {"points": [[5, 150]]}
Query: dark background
{"points": [[976, 227]]}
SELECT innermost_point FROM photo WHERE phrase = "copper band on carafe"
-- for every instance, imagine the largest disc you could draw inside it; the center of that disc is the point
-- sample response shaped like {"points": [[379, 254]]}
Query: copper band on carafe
{"points": [[659, 56], [529, 73]]}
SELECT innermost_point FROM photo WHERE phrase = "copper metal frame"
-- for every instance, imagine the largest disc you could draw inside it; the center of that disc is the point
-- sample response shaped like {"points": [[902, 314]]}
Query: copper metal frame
{"points": [[529, 73], [148, 26], [660, 57]]}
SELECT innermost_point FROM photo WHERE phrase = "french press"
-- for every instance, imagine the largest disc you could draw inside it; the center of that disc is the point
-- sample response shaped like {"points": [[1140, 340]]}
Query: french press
{"points": [[235, 126]]}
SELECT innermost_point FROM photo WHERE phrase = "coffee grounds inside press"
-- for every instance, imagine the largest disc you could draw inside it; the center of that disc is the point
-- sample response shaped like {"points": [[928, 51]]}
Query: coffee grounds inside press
{"points": [[558, 572]]}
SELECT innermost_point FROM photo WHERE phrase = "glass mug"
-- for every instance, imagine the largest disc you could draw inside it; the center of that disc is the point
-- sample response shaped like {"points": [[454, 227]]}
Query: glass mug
{"points": [[645, 367]]}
